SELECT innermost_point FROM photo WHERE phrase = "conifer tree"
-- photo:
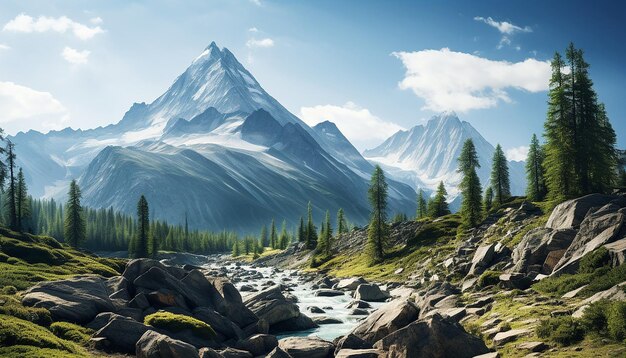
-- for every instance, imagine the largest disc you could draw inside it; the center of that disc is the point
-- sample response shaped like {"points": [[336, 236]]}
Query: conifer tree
{"points": [[438, 206], [471, 210], [283, 241], [378, 229], [342, 226], [11, 209], [142, 244], [311, 233], [273, 235], [235, 251], [263, 237], [422, 206], [22, 201], [325, 241], [301, 231], [488, 201], [75, 227], [536, 189], [500, 183]]}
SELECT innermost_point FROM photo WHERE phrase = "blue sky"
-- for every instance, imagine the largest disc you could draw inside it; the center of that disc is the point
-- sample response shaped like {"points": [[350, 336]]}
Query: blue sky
{"points": [[371, 66]]}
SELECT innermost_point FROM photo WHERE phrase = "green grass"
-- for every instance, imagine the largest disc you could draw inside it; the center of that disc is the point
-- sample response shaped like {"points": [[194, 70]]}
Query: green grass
{"points": [[71, 332], [35, 352], [176, 323], [27, 259], [19, 332], [11, 306]]}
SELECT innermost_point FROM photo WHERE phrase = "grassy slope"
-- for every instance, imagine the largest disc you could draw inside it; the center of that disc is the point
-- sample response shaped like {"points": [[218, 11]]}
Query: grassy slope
{"points": [[24, 260]]}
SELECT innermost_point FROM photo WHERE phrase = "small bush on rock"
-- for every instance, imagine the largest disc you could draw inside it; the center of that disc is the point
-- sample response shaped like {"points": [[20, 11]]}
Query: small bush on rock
{"points": [[71, 332], [177, 322], [616, 320], [561, 330], [489, 278]]}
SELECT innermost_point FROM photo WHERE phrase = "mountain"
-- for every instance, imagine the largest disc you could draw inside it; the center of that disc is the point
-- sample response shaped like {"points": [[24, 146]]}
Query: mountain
{"points": [[215, 146], [427, 154]]}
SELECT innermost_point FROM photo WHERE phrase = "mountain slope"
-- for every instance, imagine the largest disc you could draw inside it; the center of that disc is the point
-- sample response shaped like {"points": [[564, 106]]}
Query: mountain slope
{"points": [[427, 154]]}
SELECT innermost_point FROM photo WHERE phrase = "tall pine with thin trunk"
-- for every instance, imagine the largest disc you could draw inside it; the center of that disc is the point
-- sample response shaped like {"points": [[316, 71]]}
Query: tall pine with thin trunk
{"points": [[488, 201], [301, 231], [342, 226], [438, 206], [263, 237], [75, 231], [311, 233], [22, 202], [471, 191], [273, 235], [378, 229], [142, 241], [283, 241], [422, 206], [500, 182], [11, 208], [536, 187]]}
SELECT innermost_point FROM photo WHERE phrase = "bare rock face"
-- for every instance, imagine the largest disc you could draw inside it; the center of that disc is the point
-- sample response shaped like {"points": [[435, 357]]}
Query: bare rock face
{"points": [[156, 345], [280, 314], [571, 213], [76, 300], [120, 334], [540, 250], [306, 347], [432, 337], [370, 292], [482, 258], [386, 320]]}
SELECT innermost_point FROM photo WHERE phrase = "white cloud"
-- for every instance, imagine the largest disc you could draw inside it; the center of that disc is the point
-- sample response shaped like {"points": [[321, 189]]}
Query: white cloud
{"points": [[63, 24], [358, 124], [253, 29], [517, 153], [75, 56], [4, 47], [25, 108], [504, 27], [96, 20], [256, 2], [264, 43], [449, 80]]}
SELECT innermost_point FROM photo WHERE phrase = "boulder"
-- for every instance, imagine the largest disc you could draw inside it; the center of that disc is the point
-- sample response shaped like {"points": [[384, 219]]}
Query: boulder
{"points": [[201, 290], [370, 293], [270, 305], [315, 309], [386, 320], [140, 301], [360, 353], [358, 304], [120, 334], [76, 300], [328, 293], [540, 250], [156, 345], [508, 336], [306, 347], [258, 345], [482, 259], [101, 320], [358, 312], [225, 328], [432, 337], [166, 298], [600, 227], [326, 320], [300, 323], [277, 353], [235, 353], [533, 346], [350, 284], [350, 341], [229, 303], [617, 252], [570, 214], [209, 353]]}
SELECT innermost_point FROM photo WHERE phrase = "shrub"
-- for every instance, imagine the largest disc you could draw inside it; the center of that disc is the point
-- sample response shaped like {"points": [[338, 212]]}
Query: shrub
{"points": [[177, 322], [9, 290], [594, 319], [71, 332], [32, 253], [18, 332], [561, 330], [489, 278], [11, 306], [616, 320], [594, 260], [36, 352]]}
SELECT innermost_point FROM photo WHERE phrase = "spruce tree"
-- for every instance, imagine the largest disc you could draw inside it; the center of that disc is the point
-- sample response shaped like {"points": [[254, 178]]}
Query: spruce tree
{"points": [[263, 237], [422, 206], [235, 251], [301, 231], [273, 235], [488, 201], [342, 226], [142, 243], [535, 189], [311, 233], [438, 206], [22, 201], [378, 228], [500, 177], [283, 241], [75, 228], [11, 208], [325, 242], [471, 191]]}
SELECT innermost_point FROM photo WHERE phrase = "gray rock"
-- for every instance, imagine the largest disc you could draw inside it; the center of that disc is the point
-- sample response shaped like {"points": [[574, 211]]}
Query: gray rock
{"points": [[76, 300], [315, 309], [300, 323], [326, 320], [533, 346], [432, 337], [306, 347], [617, 252], [229, 303], [121, 335], [258, 345], [235, 353], [358, 312], [270, 305], [350, 341], [277, 353], [225, 328], [156, 345], [350, 284], [360, 353], [358, 304], [386, 320], [570, 214], [370, 293], [328, 293], [139, 301], [482, 259], [209, 353], [508, 336], [541, 248], [101, 320]]}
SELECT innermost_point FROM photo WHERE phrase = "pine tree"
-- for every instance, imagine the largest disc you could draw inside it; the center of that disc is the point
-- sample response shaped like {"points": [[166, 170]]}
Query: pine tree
{"points": [[438, 206], [324, 245], [301, 231], [273, 235], [378, 229], [311, 233], [12, 189], [535, 190], [75, 227], [142, 243], [263, 237], [283, 241], [500, 177], [488, 201], [471, 210], [235, 251], [22, 201], [342, 226], [422, 206]]}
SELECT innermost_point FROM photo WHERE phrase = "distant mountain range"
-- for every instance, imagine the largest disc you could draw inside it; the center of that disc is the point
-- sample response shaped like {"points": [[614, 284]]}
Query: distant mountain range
{"points": [[427, 154], [219, 149]]}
